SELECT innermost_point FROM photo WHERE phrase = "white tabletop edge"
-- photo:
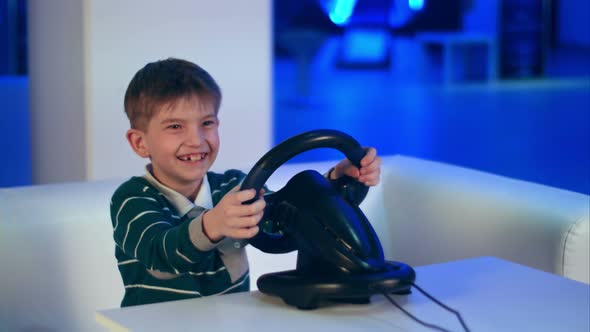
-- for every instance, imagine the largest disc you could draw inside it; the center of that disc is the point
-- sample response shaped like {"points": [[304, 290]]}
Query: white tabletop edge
{"points": [[108, 323]]}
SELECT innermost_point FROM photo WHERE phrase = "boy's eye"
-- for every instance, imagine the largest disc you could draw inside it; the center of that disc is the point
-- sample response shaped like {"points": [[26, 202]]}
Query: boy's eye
{"points": [[174, 126], [208, 123]]}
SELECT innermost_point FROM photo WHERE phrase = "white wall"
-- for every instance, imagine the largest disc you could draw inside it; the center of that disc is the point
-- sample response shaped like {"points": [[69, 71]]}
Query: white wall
{"points": [[56, 83], [229, 38]]}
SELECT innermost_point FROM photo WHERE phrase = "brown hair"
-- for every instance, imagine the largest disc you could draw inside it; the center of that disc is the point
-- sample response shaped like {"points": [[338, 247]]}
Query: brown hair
{"points": [[163, 82]]}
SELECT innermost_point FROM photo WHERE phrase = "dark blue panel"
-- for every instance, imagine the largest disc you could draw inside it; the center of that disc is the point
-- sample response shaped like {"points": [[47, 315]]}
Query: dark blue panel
{"points": [[15, 133]]}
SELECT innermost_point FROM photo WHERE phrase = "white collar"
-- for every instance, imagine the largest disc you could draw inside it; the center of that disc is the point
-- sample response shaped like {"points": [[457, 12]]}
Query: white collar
{"points": [[182, 204]]}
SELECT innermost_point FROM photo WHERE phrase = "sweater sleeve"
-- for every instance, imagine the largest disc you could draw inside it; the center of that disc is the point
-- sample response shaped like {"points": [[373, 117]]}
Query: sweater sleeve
{"points": [[146, 229]]}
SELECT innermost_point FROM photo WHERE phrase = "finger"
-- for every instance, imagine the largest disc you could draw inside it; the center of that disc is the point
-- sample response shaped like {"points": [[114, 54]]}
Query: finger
{"points": [[373, 167], [352, 171], [243, 233], [254, 218], [371, 179], [254, 208], [370, 153], [231, 196], [369, 156], [246, 210], [340, 169], [244, 195], [371, 170], [246, 221]]}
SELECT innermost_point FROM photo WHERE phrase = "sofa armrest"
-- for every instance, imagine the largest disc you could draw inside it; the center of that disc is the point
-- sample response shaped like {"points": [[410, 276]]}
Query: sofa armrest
{"points": [[438, 212], [57, 256]]}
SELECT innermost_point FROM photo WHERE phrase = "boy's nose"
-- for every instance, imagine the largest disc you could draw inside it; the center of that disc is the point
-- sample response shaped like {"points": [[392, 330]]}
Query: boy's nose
{"points": [[194, 137]]}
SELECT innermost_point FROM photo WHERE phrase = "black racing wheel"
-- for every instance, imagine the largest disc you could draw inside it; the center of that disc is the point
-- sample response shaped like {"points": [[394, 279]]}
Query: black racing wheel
{"points": [[310, 193], [339, 254]]}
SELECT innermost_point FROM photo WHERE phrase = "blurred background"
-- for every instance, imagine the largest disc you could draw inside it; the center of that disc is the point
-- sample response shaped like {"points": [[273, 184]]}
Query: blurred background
{"points": [[501, 86]]}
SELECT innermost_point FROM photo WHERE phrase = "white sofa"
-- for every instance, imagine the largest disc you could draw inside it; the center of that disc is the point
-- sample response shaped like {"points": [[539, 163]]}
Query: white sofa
{"points": [[57, 253]]}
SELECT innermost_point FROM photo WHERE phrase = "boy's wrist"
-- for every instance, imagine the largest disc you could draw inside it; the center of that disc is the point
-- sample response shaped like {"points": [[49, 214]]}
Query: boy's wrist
{"points": [[208, 229], [197, 235]]}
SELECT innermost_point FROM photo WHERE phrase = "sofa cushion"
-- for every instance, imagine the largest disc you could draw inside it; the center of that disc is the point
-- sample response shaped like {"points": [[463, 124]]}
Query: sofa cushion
{"points": [[576, 248], [57, 256]]}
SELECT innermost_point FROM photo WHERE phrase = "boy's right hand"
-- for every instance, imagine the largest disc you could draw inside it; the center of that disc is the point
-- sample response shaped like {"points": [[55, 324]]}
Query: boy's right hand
{"points": [[232, 219]]}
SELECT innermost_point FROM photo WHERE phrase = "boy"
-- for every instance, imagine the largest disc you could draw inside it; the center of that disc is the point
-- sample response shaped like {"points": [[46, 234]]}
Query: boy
{"points": [[180, 230]]}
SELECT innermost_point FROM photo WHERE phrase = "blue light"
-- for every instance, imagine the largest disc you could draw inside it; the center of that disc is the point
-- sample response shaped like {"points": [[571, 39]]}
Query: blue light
{"points": [[340, 11], [364, 46], [416, 4]]}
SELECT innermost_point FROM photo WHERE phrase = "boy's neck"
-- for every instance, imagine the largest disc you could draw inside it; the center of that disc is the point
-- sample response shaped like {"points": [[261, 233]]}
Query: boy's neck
{"points": [[189, 191], [192, 196]]}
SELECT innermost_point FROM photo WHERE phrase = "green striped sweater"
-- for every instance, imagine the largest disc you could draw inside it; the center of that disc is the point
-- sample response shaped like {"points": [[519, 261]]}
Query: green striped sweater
{"points": [[157, 258]]}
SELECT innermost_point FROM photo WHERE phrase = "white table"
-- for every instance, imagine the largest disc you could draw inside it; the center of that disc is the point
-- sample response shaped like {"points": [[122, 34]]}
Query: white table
{"points": [[491, 294]]}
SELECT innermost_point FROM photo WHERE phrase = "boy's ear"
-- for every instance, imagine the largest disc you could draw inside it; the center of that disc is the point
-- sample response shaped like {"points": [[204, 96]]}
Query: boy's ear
{"points": [[137, 141]]}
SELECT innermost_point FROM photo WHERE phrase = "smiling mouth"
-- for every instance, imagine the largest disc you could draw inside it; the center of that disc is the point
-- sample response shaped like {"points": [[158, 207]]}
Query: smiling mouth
{"points": [[192, 157]]}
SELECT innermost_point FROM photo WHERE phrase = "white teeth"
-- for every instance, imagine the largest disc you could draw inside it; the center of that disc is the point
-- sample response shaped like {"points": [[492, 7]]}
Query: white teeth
{"points": [[192, 157]]}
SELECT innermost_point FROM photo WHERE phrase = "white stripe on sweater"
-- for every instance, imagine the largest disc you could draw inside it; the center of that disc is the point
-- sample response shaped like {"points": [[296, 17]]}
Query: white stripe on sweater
{"points": [[182, 291], [166, 289], [207, 272], [166, 253], [123, 204], [223, 185], [129, 261], [184, 257], [145, 230], [235, 285], [131, 222]]}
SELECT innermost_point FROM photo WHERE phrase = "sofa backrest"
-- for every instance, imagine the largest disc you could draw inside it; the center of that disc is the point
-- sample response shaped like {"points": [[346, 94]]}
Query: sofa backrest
{"points": [[437, 212]]}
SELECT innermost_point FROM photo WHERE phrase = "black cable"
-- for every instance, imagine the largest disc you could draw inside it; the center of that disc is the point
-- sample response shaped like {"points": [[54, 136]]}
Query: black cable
{"points": [[432, 326], [432, 298]]}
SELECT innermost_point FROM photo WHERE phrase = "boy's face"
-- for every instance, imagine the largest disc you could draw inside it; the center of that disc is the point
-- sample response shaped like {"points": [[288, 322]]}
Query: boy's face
{"points": [[182, 142]]}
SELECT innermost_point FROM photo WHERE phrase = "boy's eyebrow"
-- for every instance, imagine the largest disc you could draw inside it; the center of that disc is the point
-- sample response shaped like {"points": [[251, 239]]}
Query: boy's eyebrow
{"points": [[171, 120], [211, 115]]}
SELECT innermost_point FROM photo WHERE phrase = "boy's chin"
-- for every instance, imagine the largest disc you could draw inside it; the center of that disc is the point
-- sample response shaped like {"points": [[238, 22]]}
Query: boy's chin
{"points": [[193, 167], [195, 176]]}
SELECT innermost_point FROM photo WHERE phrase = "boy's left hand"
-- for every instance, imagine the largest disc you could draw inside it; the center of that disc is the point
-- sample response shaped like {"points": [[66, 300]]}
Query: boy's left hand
{"points": [[369, 172]]}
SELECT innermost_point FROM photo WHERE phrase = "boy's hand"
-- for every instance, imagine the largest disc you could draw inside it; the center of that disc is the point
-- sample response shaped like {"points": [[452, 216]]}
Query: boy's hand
{"points": [[232, 219], [369, 172]]}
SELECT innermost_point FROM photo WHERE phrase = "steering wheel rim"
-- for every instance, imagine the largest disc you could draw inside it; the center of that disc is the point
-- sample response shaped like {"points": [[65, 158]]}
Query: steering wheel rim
{"points": [[283, 152]]}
